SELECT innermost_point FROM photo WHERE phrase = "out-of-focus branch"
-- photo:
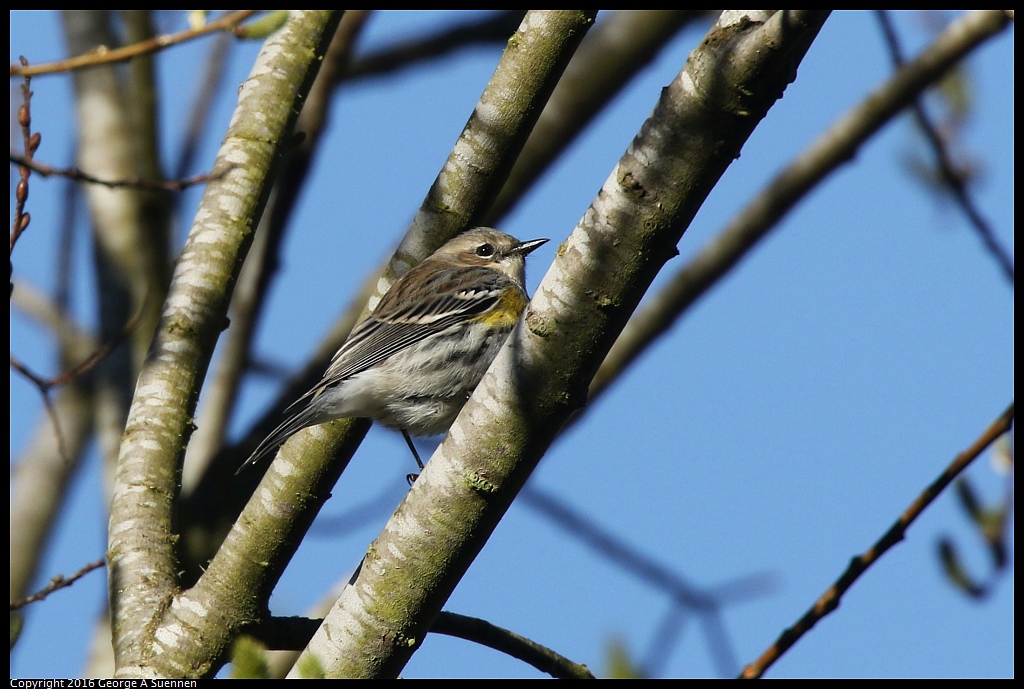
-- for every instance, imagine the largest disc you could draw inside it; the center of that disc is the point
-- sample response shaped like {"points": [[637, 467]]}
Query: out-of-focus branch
{"points": [[33, 304], [40, 477], [686, 598], [948, 171], [829, 601], [43, 471], [492, 29], [73, 173], [202, 104], [84, 365], [142, 108]]}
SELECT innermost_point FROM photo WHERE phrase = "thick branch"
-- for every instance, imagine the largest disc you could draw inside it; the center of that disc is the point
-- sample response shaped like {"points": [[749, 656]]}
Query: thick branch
{"points": [[621, 45], [832, 149], [254, 282], [540, 376], [269, 529], [142, 561], [477, 167]]}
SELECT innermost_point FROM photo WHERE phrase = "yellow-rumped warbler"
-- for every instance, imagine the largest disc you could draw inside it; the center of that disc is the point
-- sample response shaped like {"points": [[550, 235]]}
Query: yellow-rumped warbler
{"points": [[414, 362]]}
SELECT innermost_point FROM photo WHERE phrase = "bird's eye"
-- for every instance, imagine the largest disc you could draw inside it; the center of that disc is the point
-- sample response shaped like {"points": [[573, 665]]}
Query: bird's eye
{"points": [[485, 250]]}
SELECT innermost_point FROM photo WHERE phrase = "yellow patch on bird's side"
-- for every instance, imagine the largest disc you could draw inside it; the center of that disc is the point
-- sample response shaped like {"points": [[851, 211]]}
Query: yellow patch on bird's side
{"points": [[506, 312]]}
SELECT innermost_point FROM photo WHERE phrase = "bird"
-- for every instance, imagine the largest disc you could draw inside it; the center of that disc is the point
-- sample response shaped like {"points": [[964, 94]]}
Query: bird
{"points": [[415, 360]]}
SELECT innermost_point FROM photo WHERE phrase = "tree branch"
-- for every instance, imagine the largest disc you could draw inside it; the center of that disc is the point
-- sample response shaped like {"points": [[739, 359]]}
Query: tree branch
{"points": [[491, 635], [77, 175], [142, 559], [104, 56], [832, 149], [621, 45], [541, 374], [948, 172], [829, 601], [56, 583]]}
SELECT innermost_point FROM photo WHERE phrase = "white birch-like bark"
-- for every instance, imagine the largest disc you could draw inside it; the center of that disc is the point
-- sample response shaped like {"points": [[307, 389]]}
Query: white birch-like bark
{"points": [[156, 632], [541, 375]]}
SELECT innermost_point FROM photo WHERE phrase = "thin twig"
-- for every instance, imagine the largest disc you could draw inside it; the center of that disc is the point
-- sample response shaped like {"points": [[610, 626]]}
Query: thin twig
{"points": [[58, 582], [500, 639], [31, 143], [134, 183], [829, 601], [948, 172], [294, 633], [45, 385], [103, 55]]}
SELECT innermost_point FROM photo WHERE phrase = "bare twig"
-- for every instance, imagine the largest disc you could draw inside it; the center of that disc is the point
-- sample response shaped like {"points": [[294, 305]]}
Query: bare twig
{"points": [[31, 142], [500, 639], [46, 384], [78, 175], [58, 582], [829, 601], [103, 55], [44, 387], [949, 173], [293, 633]]}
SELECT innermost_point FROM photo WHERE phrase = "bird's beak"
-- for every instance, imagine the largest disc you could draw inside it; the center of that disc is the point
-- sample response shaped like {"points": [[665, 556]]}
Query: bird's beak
{"points": [[526, 247]]}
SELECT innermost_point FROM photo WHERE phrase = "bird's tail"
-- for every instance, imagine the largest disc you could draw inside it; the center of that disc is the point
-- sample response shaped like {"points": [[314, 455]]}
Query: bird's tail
{"points": [[309, 415]]}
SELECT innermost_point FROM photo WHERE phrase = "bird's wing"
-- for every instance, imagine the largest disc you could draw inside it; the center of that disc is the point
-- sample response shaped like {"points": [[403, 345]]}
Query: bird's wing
{"points": [[400, 321]]}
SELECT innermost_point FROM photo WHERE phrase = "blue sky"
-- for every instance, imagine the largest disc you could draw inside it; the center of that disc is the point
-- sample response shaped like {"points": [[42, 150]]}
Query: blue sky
{"points": [[774, 433]]}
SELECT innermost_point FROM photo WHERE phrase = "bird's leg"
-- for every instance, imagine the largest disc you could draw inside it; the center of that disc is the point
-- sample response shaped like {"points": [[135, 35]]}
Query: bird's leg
{"points": [[415, 455]]}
